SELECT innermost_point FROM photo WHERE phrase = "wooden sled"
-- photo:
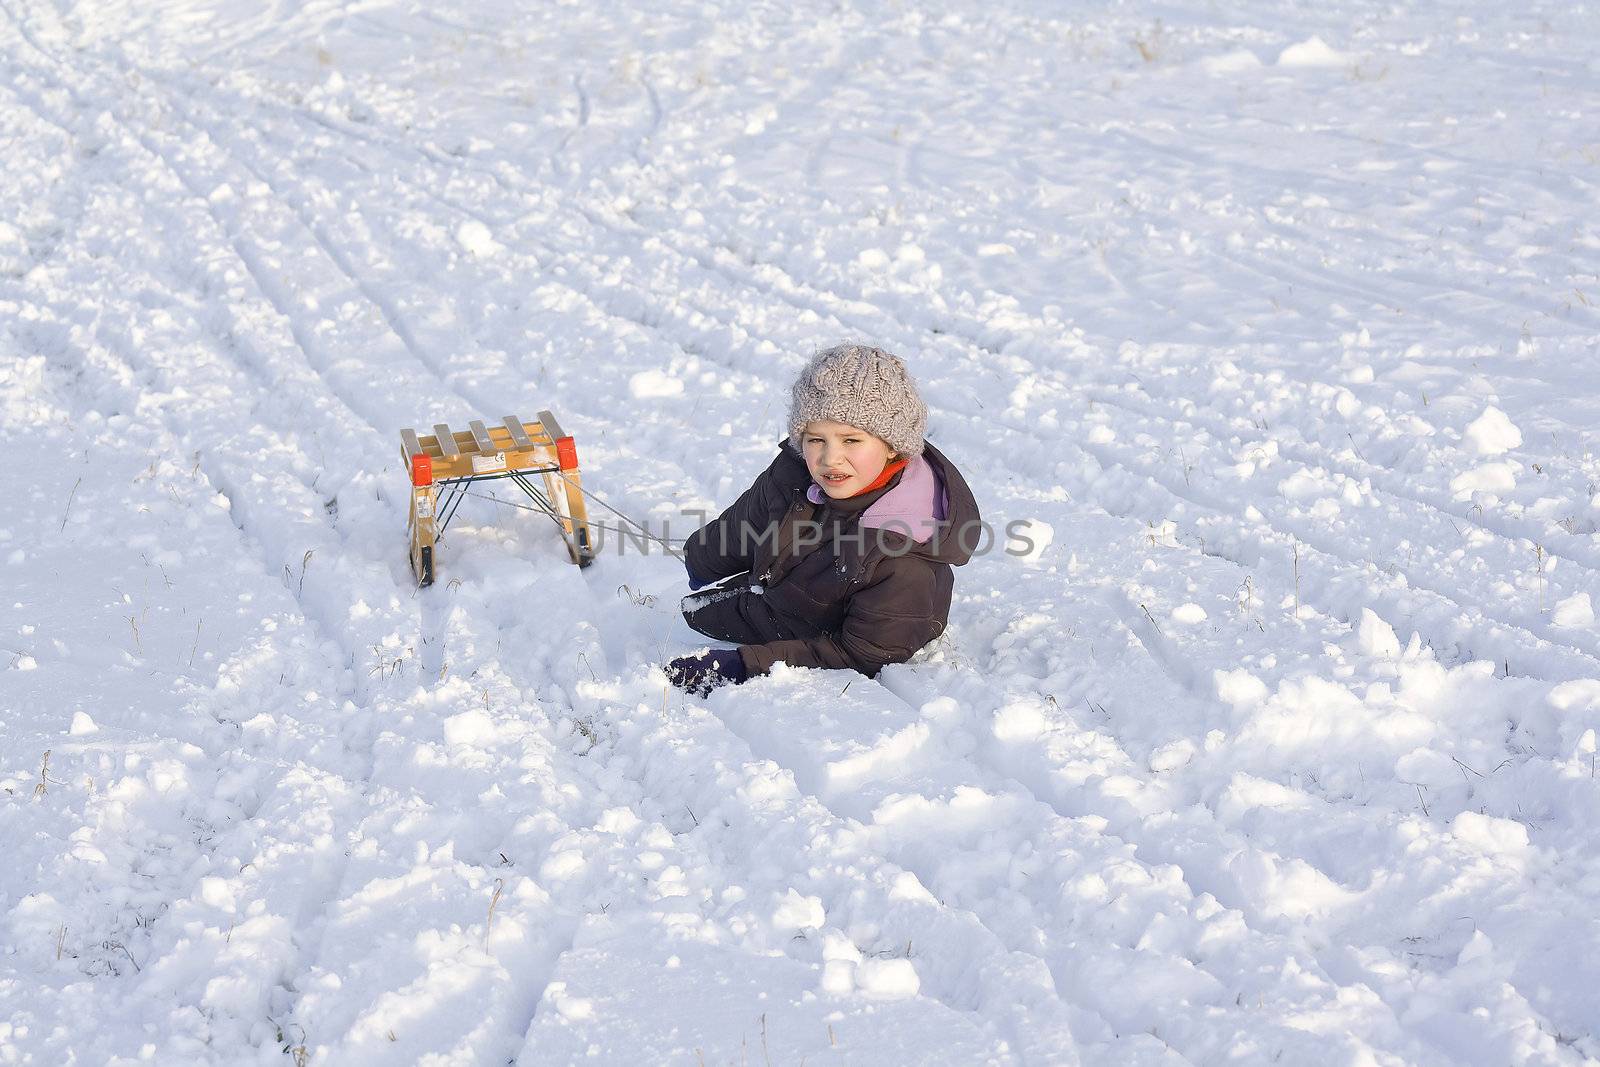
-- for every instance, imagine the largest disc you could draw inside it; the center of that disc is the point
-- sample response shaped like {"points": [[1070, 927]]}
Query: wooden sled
{"points": [[443, 465]]}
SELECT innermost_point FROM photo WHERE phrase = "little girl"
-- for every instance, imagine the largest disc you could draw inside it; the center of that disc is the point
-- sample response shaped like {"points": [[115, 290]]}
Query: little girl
{"points": [[840, 554]]}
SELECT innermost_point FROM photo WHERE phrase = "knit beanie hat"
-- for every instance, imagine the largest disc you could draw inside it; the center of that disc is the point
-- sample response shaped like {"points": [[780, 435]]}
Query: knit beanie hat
{"points": [[861, 386]]}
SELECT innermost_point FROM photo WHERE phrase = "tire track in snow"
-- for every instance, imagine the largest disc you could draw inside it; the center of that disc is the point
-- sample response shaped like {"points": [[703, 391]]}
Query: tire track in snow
{"points": [[812, 850], [1312, 454], [249, 527], [336, 875], [168, 833], [1287, 861], [250, 531], [1273, 884], [1437, 523], [322, 784]]}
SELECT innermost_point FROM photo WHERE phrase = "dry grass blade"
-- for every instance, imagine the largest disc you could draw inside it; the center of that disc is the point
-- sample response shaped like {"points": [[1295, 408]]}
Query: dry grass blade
{"points": [[494, 902]]}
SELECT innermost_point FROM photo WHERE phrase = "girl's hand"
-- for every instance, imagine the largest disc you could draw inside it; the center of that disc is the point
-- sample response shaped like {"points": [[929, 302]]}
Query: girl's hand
{"points": [[701, 674]]}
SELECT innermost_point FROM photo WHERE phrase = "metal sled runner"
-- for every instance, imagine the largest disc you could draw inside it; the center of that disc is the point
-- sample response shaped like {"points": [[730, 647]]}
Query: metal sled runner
{"points": [[444, 465]]}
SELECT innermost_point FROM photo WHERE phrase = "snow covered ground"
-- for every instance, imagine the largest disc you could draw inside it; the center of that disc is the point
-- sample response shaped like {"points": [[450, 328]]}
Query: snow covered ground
{"points": [[1279, 321]]}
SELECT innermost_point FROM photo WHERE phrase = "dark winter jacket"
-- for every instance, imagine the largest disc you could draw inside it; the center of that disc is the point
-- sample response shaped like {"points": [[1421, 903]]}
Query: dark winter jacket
{"points": [[856, 583]]}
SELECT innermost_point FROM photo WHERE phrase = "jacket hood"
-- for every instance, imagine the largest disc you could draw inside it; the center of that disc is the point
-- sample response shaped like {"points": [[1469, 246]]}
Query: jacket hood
{"points": [[959, 530]]}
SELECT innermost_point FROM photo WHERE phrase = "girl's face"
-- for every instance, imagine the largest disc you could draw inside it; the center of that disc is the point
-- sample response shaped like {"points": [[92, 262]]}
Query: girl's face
{"points": [[843, 459]]}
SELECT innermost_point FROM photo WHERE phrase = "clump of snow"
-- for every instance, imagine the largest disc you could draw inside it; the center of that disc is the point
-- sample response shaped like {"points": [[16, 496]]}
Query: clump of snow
{"points": [[1588, 742], [1573, 612], [1489, 833], [13, 249], [1499, 478], [1172, 755], [1020, 721], [1478, 947], [563, 865], [838, 977], [82, 724], [1027, 539], [1239, 687], [1375, 637], [652, 384], [1189, 614], [1238, 61], [887, 979], [1492, 433], [840, 958], [477, 239], [1426, 766], [836, 946], [571, 1008], [469, 728], [1313, 52], [1163, 534], [907, 886], [796, 911]]}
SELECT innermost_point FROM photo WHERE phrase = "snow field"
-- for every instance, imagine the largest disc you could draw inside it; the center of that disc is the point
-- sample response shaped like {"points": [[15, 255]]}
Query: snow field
{"points": [[1278, 746]]}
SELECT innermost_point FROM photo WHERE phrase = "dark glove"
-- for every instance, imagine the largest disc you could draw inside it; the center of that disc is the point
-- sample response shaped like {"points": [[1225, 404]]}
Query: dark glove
{"points": [[695, 581], [701, 674]]}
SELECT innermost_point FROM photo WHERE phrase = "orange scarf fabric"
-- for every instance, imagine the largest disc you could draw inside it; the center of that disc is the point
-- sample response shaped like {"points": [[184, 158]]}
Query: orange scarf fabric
{"points": [[889, 471]]}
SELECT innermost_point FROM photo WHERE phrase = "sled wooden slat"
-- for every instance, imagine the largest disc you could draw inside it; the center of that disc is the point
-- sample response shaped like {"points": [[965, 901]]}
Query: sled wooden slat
{"points": [[480, 437], [516, 449], [410, 445], [519, 436], [447, 441]]}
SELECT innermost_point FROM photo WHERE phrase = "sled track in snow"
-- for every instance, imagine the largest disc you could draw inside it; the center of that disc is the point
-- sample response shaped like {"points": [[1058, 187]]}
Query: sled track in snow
{"points": [[255, 514]]}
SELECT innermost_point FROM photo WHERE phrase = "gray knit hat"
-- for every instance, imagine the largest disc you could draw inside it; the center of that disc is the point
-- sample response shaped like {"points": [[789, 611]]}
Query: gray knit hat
{"points": [[862, 386]]}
